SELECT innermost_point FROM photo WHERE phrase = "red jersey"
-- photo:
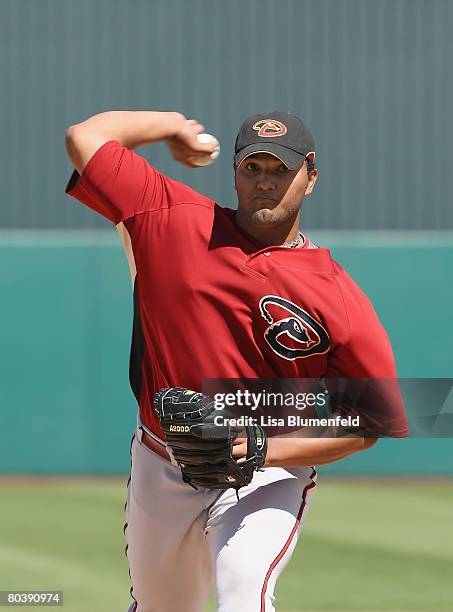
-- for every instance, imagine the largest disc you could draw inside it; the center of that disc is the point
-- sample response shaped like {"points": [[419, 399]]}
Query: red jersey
{"points": [[210, 303]]}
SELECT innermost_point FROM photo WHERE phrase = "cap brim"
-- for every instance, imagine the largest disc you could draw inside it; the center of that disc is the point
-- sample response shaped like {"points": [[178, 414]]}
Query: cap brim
{"points": [[290, 158]]}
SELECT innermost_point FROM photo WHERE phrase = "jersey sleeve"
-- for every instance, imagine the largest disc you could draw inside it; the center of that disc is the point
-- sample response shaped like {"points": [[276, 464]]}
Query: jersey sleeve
{"points": [[119, 184], [366, 360]]}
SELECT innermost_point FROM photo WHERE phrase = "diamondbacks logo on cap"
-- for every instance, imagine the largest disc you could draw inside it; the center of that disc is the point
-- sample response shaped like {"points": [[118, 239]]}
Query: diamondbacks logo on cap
{"points": [[268, 128]]}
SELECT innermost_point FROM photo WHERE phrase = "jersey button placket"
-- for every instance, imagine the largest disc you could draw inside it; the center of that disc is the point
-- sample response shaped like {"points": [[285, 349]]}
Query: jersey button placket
{"points": [[253, 267]]}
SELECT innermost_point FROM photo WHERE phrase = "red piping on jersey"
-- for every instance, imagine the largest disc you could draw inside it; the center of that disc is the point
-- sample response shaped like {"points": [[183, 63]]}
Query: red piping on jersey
{"points": [[278, 558]]}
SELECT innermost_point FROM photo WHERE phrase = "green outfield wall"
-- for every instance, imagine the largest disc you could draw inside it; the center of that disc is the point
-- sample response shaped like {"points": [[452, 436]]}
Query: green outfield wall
{"points": [[66, 306]]}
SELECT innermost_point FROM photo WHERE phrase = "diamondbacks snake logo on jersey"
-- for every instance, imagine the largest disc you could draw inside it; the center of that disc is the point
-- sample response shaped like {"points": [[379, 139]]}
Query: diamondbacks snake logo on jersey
{"points": [[296, 336]]}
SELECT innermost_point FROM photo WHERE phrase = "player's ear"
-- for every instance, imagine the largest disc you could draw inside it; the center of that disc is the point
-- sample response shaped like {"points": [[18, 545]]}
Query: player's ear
{"points": [[312, 177]]}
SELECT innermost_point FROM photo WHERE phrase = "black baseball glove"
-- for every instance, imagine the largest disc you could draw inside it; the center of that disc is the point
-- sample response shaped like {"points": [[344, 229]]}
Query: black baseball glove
{"points": [[202, 448]]}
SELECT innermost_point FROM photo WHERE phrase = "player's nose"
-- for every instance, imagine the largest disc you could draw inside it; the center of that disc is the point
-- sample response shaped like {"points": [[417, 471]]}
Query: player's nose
{"points": [[265, 183]]}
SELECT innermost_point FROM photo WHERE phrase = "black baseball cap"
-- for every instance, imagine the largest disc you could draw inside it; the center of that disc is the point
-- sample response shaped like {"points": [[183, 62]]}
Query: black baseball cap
{"points": [[281, 134]]}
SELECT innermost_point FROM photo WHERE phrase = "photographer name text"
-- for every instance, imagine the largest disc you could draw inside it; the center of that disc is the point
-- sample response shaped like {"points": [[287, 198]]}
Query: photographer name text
{"points": [[289, 421]]}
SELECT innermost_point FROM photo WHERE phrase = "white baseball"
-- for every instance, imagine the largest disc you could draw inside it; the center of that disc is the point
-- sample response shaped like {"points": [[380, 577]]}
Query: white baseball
{"points": [[205, 159]]}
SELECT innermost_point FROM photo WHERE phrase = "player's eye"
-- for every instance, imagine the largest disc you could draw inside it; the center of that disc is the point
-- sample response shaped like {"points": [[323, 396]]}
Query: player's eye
{"points": [[282, 169], [251, 167]]}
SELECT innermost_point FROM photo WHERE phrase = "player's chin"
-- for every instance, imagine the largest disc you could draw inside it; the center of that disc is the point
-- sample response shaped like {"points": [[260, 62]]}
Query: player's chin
{"points": [[266, 216]]}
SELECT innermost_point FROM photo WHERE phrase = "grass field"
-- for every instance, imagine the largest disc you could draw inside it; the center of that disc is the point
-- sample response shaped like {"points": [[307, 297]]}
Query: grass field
{"points": [[367, 546]]}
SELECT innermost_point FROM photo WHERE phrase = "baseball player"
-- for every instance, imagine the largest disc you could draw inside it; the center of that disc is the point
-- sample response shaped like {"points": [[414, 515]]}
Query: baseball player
{"points": [[222, 293]]}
